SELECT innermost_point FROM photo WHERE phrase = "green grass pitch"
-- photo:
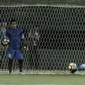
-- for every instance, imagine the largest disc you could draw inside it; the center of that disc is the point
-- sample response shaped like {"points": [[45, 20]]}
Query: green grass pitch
{"points": [[41, 79]]}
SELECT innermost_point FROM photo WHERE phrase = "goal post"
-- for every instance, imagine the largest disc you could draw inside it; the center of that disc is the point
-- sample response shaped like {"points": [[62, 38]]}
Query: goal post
{"points": [[60, 35]]}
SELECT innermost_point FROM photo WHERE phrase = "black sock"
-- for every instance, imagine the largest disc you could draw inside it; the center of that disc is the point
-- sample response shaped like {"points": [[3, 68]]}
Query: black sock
{"points": [[20, 65], [10, 65]]}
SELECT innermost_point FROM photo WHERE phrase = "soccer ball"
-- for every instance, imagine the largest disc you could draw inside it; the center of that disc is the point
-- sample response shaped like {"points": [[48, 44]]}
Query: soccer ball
{"points": [[5, 42], [72, 66]]}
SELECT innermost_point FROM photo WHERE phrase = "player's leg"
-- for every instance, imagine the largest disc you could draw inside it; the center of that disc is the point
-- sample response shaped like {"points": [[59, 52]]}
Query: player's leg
{"points": [[10, 65], [19, 57], [20, 64], [10, 62], [0, 60]]}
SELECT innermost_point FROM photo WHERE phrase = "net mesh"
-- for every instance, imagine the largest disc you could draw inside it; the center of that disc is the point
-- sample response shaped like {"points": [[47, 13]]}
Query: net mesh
{"points": [[59, 40], [71, 2]]}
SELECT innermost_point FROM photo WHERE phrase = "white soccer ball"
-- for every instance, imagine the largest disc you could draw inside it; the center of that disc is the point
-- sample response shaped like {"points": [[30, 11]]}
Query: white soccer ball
{"points": [[5, 41], [72, 66]]}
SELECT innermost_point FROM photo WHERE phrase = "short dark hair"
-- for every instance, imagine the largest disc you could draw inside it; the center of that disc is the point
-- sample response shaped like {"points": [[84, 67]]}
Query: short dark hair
{"points": [[13, 20]]}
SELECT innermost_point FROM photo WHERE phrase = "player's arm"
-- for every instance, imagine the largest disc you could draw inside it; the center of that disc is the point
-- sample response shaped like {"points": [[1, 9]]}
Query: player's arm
{"points": [[23, 40]]}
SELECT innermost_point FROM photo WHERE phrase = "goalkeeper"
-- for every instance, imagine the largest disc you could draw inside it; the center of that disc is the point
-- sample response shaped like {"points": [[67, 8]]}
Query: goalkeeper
{"points": [[80, 67], [15, 35]]}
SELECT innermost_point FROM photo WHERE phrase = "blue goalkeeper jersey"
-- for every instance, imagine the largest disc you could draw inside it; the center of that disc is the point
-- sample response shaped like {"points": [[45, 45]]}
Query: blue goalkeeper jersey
{"points": [[81, 67], [15, 36]]}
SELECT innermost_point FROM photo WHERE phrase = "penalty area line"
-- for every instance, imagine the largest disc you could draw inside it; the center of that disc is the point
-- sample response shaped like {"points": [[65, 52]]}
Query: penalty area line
{"points": [[34, 84]]}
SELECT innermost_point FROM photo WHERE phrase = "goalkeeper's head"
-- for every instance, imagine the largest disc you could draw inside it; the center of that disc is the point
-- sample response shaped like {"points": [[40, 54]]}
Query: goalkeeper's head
{"points": [[13, 23]]}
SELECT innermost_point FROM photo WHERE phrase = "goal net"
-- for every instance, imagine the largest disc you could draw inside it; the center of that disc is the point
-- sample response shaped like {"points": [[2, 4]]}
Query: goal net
{"points": [[58, 35]]}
